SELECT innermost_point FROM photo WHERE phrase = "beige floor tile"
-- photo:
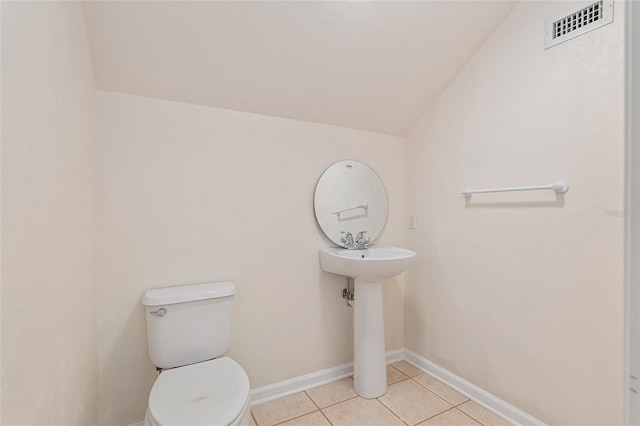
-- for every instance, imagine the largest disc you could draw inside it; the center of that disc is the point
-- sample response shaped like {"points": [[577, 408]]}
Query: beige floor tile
{"points": [[440, 389], [361, 412], [412, 402], [253, 422], [406, 368], [481, 414], [313, 419], [394, 375], [453, 417], [280, 410], [332, 393]]}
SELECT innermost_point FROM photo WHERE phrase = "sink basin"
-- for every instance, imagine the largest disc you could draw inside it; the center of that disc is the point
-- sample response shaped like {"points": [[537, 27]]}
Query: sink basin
{"points": [[372, 264]]}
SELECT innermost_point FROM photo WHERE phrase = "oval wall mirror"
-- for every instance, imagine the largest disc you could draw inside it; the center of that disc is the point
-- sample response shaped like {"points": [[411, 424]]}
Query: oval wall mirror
{"points": [[350, 197]]}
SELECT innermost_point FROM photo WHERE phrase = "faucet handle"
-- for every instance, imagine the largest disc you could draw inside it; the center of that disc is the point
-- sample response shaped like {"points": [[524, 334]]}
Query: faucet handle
{"points": [[362, 241], [346, 239]]}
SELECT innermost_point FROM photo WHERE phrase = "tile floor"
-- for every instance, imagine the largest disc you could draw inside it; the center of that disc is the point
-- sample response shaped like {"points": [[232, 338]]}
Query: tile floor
{"points": [[412, 398]]}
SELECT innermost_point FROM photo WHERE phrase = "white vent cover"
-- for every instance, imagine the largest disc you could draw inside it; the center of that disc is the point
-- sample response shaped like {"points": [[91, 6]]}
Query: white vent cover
{"points": [[583, 18]]}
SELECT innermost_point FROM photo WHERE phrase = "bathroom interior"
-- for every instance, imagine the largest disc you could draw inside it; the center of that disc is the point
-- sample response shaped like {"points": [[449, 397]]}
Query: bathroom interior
{"points": [[150, 144]]}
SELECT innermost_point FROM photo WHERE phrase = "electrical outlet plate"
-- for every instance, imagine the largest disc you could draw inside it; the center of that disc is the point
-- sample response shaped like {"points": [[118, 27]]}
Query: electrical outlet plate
{"points": [[413, 221]]}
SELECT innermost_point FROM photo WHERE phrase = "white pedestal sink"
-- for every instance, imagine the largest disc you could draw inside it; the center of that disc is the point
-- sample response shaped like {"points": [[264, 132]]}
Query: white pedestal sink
{"points": [[369, 268]]}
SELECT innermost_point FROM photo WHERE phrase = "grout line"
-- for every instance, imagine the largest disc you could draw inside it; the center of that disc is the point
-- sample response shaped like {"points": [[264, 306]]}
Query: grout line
{"points": [[312, 401], [429, 390], [325, 416], [399, 381], [293, 418], [433, 392], [441, 412], [335, 403], [297, 417], [404, 375], [392, 412], [475, 420], [254, 419], [463, 402], [340, 402], [410, 364], [469, 415], [320, 409]]}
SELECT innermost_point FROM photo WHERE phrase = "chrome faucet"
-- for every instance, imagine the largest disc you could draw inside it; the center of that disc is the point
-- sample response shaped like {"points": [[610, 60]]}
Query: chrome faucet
{"points": [[361, 242], [347, 239]]}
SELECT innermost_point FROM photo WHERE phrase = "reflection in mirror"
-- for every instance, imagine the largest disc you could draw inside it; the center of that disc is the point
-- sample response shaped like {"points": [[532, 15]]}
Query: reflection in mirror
{"points": [[351, 204]]}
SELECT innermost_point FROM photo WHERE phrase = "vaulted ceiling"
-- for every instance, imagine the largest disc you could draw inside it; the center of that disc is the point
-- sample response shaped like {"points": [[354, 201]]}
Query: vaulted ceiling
{"points": [[374, 66]]}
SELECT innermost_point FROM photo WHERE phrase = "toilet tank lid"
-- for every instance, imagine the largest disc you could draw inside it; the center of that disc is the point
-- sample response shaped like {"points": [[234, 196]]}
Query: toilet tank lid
{"points": [[188, 293]]}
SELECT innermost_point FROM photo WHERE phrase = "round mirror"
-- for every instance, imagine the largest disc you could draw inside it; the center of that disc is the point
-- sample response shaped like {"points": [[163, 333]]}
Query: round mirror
{"points": [[350, 198]]}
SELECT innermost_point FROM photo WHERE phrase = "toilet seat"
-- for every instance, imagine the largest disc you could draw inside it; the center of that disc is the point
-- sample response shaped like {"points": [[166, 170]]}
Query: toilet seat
{"points": [[208, 393]]}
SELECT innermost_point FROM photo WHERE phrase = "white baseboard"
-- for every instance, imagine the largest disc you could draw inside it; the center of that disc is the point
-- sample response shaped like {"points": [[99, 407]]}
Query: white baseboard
{"points": [[395, 355], [311, 380], [489, 401]]}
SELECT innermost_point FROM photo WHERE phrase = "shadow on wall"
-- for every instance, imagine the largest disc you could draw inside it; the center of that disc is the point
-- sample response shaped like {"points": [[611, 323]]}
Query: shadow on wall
{"points": [[125, 378], [335, 304], [470, 203]]}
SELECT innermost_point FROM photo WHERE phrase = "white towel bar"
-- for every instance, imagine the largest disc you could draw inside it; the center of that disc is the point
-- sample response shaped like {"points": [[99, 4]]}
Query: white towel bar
{"points": [[560, 187]]}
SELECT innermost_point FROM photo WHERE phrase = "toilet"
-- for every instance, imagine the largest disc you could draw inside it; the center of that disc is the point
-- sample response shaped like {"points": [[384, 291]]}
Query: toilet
{"points": [[188, 329]]}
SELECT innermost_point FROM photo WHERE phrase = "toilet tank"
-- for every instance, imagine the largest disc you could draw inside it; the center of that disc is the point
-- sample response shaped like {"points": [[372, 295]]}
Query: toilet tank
{"points": [[188, 324]]}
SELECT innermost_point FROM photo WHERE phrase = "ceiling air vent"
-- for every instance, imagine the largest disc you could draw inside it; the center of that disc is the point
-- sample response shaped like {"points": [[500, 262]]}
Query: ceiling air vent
{"points": [[583, 18]]}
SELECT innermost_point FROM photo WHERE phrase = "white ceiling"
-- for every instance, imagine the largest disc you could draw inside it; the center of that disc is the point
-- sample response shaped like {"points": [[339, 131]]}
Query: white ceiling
{"points": [[374, 66]]}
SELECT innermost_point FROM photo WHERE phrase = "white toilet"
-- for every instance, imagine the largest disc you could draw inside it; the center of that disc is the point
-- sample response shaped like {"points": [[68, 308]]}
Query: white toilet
{"points": [[187, 327]]}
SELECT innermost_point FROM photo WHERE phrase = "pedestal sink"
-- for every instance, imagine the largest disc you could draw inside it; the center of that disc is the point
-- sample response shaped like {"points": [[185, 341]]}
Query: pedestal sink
{"points": [[368, 267]]}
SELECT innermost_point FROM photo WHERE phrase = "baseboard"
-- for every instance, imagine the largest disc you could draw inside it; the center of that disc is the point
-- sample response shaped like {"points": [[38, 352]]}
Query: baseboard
{"points": [[489, 401], [311, 380]]}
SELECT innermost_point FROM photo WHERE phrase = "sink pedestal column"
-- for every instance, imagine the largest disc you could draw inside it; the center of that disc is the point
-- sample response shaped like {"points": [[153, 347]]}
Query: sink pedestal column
{"points": [[370, 370]]}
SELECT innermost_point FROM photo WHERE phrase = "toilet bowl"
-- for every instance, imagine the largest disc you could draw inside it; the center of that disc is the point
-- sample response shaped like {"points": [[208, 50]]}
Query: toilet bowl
{"points": [[211, 393]]}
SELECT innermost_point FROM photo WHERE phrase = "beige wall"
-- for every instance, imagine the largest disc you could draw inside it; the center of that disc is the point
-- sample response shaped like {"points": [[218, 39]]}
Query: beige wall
{"points": [[191, 194], [49, 344], [522, 293]]}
